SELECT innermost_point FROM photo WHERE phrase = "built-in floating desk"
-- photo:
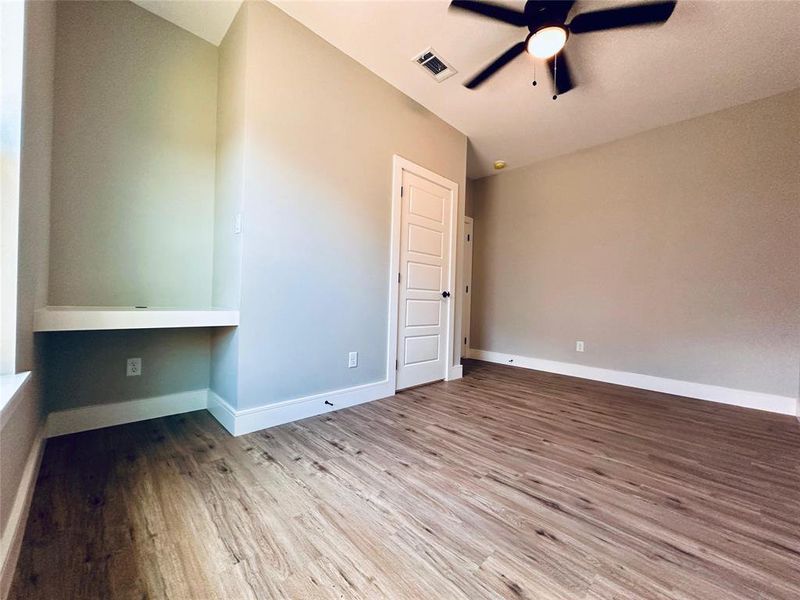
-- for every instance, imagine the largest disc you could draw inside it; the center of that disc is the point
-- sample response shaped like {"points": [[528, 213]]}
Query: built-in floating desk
{"points": [[89, 318]]}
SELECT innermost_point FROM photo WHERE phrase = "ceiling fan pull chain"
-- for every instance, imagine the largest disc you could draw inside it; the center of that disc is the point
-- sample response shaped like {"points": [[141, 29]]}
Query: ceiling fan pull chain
{"points": [[534, 73], [555, 75]]}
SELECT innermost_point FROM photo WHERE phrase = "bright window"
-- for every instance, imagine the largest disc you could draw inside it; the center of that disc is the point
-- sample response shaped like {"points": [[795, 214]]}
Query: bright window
{"points": [[11, 51]]}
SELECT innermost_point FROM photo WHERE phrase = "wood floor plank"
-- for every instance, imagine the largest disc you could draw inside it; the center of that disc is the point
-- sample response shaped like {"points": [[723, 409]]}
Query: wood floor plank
{"points": [[508, 483]]}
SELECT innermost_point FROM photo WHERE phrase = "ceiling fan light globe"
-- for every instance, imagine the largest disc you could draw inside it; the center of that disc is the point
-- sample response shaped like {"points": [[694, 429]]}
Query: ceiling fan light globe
{"points": [[547, 41]]}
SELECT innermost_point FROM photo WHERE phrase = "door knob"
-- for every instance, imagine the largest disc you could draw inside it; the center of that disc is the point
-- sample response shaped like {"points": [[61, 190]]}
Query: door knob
{"points": [[445, 294]]}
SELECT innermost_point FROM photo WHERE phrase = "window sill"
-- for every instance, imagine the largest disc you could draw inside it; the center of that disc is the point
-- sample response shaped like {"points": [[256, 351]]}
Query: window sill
{"points": [[10, 385]]}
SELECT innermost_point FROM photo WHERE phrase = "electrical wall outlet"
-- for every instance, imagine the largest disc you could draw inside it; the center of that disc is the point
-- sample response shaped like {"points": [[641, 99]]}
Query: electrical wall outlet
{"points": [[134, 367], [352, 361], [579, 346]]}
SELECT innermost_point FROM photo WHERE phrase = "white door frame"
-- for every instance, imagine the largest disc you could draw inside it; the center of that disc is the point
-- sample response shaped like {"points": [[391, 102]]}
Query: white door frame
{"points": [[399, 164]]}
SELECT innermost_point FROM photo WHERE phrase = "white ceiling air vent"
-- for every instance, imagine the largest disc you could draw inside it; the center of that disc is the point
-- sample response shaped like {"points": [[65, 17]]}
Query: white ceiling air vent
{"points": [[434, 64]]}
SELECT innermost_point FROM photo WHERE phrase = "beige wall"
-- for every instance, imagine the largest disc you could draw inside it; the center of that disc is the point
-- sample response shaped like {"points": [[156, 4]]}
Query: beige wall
{"points": [[231, 136], [132, 215], [320, 135], [34, 212], [673, 253], [23, 419], [88, 368], [133, 159]]}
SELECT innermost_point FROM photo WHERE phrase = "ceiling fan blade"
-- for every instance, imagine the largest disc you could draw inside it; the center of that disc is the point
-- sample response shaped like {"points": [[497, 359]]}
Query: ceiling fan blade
{"points": [[493, 11], [624, 16], [500, 62], [563, 76]]}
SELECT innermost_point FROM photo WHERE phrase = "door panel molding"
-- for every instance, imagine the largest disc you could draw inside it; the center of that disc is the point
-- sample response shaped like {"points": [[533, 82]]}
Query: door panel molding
{"points": [[400, 165]]}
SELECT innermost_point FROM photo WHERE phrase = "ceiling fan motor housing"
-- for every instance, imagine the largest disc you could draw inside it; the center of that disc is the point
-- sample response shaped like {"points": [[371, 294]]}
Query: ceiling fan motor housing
{"points": [[546, 20], [549, 38]]}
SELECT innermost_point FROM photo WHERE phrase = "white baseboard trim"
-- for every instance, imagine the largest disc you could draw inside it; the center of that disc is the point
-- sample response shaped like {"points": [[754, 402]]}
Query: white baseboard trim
{"points": [[87, 418], [11, 540], [239, 422], [222, 411], [785, 405], [455, 372]]}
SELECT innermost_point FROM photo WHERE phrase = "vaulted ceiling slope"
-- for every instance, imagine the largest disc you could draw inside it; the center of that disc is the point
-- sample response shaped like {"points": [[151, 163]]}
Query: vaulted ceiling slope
{"points": [[208, 19], [710, 55]]}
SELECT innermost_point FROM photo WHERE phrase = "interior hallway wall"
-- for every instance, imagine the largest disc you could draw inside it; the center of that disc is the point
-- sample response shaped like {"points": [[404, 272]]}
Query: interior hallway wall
{"points": [[672, 253]]}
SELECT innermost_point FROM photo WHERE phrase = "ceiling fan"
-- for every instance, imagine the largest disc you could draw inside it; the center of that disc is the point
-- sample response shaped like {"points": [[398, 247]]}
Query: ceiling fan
{"points": [[546, 21]]}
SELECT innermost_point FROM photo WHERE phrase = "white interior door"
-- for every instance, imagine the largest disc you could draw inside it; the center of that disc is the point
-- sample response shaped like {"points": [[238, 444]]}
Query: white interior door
{"points": [[467, 304], [424, 298]]}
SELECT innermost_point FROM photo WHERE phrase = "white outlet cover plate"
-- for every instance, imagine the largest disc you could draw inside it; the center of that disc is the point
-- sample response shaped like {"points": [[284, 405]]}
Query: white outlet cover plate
{"points": [[134, 367]]}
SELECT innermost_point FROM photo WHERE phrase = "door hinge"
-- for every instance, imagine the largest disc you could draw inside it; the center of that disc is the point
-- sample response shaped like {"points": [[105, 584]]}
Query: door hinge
{"points": [[401, 191], [467, 289], [465, 341], [467, 237], [396, 365], [398, 278]]}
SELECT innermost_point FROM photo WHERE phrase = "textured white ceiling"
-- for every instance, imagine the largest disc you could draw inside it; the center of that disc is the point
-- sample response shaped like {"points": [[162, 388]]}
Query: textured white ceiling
{"points": [[208, 19], [710, 55]]}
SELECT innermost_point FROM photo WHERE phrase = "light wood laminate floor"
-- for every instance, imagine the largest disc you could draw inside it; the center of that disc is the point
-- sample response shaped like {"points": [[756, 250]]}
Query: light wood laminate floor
{"points": [[506, 484]]}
